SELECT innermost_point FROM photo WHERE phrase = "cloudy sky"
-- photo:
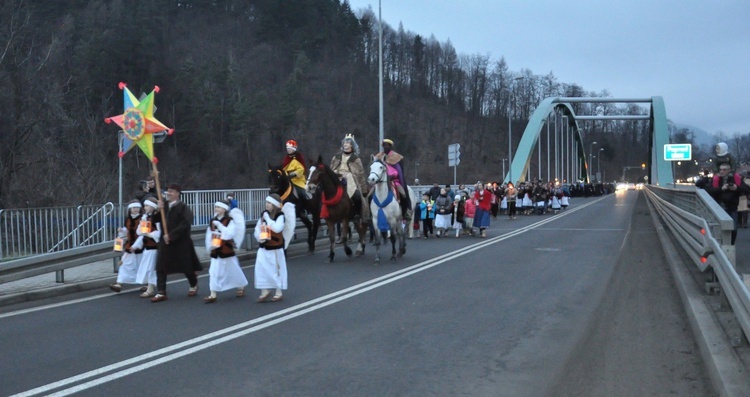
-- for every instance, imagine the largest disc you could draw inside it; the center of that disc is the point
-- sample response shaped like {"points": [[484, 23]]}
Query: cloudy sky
{"points": [[693, 53]]}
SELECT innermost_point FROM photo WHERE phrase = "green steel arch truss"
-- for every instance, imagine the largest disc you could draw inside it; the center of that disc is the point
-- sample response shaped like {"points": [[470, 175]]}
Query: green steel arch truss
{"points": [[658, 169]]}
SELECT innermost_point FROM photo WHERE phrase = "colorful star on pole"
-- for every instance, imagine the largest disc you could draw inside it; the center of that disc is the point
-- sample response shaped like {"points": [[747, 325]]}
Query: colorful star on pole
{"points": [[138, 122]]}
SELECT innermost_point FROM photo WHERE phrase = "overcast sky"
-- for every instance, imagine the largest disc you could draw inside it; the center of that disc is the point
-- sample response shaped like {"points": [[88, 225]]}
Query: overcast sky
{"points": [[693, 53]]}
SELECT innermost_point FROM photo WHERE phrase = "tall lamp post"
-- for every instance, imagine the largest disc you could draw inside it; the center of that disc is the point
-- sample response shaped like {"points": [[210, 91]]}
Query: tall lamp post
{"points": [[599, 156], [381, 134], [504, 160], [591, 157], [510, 137]]}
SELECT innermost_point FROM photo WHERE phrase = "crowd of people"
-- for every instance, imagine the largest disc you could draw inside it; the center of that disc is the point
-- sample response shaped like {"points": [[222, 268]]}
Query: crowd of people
{"points": [[157, 241], [470, 211], [729, 188]]}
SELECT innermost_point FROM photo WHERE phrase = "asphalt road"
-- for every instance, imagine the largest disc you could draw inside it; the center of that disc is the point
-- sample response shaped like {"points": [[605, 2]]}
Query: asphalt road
{"points": [[579, 303]]}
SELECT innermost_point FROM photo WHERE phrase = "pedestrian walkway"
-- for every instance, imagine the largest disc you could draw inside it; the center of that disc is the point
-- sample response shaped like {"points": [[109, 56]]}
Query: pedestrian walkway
{"points": [[81, 278]]}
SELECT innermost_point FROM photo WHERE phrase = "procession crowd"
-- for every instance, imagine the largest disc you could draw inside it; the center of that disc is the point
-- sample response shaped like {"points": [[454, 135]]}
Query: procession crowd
{"points": [[155, 238], [463, 210]]}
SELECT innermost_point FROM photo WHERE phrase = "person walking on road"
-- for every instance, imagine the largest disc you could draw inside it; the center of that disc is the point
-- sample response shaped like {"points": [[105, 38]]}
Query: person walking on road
{"points": [[484, 203], [176, 249], [427, 214], [444, 210], [132, 248], [151, 233], [511, 196], [273, 231], [222, 235]]}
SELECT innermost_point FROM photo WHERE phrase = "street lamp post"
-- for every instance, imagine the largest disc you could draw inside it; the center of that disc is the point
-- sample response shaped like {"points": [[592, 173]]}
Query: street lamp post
{"points": [[598, 169], [510, 136], [381, 134], [504, 160], [591, 158]]}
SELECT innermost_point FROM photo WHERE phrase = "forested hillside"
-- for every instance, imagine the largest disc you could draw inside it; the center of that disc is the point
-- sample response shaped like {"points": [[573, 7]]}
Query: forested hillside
{"points": [[240, 77]]}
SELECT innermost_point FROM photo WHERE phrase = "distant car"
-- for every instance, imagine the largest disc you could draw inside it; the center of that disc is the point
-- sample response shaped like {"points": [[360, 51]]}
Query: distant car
{"points": [[621, 186], [639, 186], [631, 186]]}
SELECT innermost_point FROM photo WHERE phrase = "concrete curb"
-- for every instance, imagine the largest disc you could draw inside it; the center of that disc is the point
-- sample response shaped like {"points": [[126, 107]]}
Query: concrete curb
{"points": [[725, 369], [102, 282]]}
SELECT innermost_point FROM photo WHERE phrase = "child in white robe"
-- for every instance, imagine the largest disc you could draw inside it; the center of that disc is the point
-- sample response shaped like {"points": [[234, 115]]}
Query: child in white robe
{"points": [[224, 272]]}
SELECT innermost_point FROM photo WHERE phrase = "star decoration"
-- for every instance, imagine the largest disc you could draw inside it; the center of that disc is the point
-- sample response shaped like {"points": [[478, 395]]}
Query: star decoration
{"points": [[138, 123]]}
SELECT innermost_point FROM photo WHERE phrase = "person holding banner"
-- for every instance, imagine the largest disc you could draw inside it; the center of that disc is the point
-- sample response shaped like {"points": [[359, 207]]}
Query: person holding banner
{"points": [[176, 249]]}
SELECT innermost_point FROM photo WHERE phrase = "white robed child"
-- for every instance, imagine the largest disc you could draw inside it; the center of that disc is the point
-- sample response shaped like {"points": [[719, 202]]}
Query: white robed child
{"points": [[565, 201], [131, 252], [555, 202], [149, 233], [274, 232], [226, 230]]}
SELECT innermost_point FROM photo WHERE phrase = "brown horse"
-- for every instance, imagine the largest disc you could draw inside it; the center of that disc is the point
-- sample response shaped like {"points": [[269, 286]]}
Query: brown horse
{"points": [[336, 207]]}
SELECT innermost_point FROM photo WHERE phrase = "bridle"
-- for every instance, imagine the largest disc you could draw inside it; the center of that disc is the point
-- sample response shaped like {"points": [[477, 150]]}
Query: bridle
{"points": [[379, 176], [308, 184], [288, 190]]}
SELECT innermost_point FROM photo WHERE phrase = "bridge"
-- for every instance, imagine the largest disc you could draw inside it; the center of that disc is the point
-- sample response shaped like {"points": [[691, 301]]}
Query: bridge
{"points": [[630, 293]]}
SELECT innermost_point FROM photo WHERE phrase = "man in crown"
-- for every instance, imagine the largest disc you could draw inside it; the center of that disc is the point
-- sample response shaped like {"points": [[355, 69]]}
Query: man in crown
{"points": [[294, 165], [395, 164], [348, 165]]}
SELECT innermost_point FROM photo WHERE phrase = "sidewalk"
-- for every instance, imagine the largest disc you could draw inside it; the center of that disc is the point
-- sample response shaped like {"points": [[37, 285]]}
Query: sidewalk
{"points": [[92, 276]]}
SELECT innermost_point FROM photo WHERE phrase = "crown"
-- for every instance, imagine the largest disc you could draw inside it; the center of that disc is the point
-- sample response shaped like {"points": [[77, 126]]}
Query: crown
{"points": [[349, 136]]}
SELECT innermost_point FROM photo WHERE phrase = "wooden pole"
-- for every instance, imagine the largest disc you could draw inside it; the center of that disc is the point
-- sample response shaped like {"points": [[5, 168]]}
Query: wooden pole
{"points": [[155, 173]]}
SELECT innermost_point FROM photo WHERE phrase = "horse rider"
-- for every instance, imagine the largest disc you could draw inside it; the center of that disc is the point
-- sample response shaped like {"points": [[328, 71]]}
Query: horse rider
{"points": [[348, 165], [294, 165], [395, 164]]}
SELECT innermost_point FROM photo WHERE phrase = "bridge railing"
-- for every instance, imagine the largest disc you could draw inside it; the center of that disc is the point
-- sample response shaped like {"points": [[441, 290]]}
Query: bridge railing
{"points": [[39, 240], [704, 231], [34, 231]]}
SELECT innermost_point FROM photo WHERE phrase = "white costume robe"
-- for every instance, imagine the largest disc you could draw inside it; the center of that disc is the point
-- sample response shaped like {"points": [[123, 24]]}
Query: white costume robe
{"points": [[270, 265], [129, 268], [147, 268], [224, 273]]}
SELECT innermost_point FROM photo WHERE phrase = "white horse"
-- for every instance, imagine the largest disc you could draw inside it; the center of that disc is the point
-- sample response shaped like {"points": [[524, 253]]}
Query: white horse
{"points": [[386, 211]]}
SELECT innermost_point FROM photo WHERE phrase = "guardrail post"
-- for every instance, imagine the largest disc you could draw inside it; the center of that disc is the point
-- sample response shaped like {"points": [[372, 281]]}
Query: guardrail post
{"points": [[728, 248], [1, 240], [60, 276]]}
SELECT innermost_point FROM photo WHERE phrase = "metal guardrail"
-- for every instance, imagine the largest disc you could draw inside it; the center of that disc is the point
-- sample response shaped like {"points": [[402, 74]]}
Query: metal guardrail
{"points": [[35, 231], [704, 230], [59, 261], [42, 240]]}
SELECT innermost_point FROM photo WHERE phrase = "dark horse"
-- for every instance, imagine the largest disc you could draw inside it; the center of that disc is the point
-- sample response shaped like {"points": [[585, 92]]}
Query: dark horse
{"points": [[336, 205], [281, 185]]}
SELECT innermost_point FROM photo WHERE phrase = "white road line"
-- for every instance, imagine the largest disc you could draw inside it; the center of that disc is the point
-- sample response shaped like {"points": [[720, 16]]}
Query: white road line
{"points": [[170, 353]]}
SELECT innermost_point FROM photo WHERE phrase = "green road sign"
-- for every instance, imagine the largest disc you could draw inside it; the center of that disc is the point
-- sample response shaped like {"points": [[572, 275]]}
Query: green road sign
{"points": [[678, 152]]}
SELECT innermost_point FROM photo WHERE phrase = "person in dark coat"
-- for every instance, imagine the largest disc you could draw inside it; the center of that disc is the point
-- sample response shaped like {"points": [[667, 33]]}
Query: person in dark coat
{"points": [[176, 250]]}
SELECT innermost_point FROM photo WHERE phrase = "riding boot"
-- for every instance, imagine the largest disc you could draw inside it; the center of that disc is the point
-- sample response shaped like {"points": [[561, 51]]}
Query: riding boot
{"points": [[405, 203], [357, 201]]}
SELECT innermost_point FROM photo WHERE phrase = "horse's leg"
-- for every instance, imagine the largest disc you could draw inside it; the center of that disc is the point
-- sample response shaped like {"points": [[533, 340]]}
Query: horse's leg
{"points": [[331, 239], [309, 227], [345, 236], [393, 245], [314, 235], [401, 244], [377, 246], [361, 231]]}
